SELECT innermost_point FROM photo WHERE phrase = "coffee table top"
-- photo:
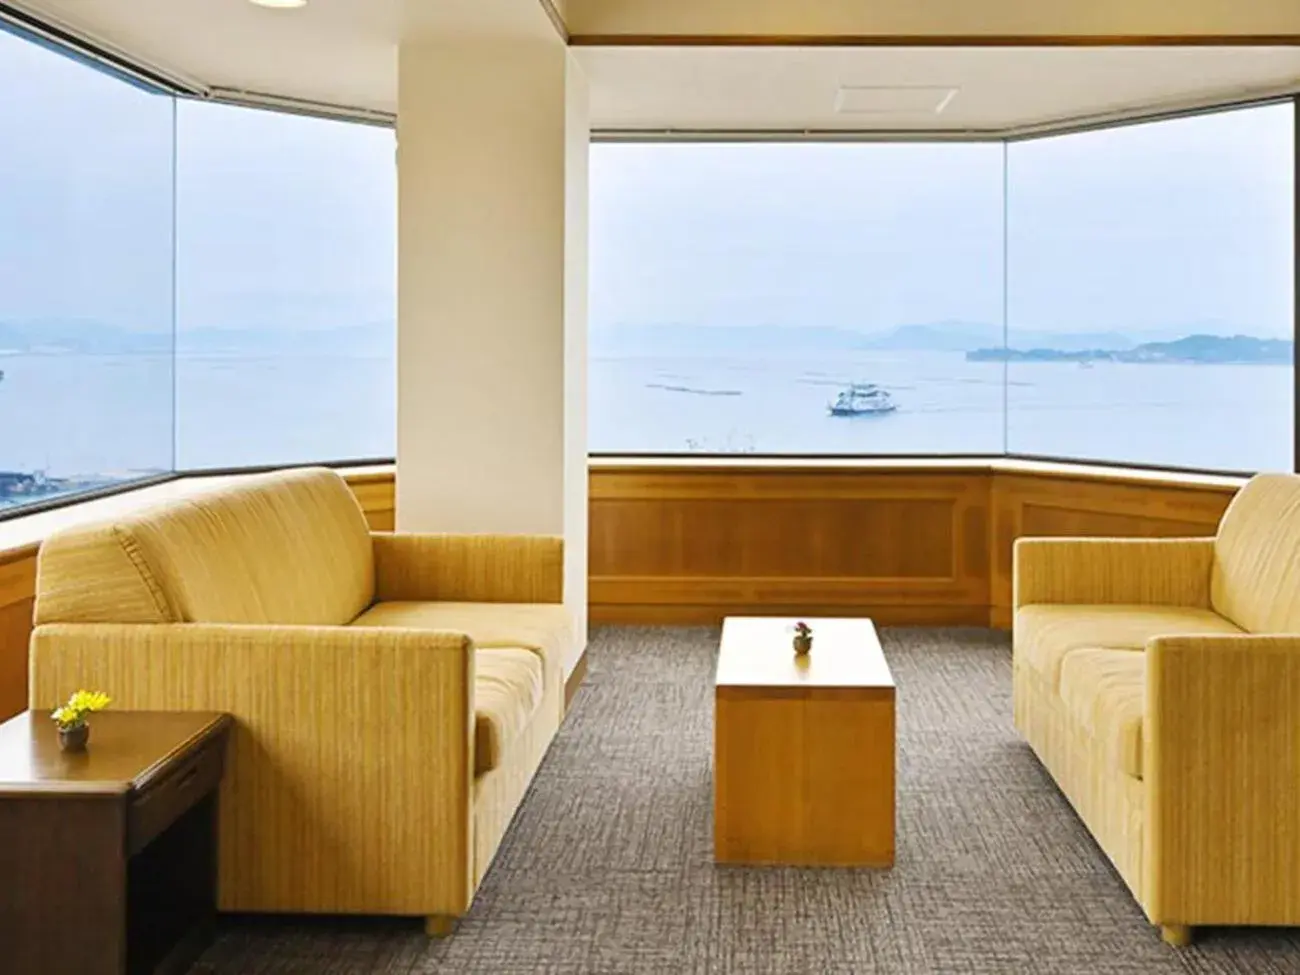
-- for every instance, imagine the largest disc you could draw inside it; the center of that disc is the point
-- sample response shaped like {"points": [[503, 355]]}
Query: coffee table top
{"points": [[127, 751], [757, 653]]}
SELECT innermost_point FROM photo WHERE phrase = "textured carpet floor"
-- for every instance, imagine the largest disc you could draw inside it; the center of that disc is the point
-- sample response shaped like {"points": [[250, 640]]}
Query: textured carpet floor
{"points": [[608, 865]]}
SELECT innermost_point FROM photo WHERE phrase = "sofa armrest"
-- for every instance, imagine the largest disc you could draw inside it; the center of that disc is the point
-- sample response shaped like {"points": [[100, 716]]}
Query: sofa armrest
{"points": [[1222, 775], [1091, 571], [349, 778], [469, 568]]}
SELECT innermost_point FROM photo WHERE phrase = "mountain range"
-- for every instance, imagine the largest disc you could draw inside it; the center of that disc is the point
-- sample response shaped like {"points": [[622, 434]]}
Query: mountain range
{"points": [[948, 336], [1191, 349], [677, 340], [96, 338]]}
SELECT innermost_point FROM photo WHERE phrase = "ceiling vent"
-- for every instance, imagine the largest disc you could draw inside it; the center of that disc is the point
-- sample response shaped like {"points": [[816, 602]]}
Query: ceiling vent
{"points": [[893, 99]]}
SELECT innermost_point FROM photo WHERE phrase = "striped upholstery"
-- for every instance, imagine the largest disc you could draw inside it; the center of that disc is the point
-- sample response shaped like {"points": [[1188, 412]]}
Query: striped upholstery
{"points": [[1159, 683], [1257, 557], [469, 568], [1048, 634], [381, 748], [1104, 693], [98, 574], [289, 548], [1090, 571], [347, 786], [520, 652], [508, 687]]}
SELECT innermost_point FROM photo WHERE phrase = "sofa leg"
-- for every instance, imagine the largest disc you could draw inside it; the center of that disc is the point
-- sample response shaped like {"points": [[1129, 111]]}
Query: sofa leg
{"points": [[440, 925], [1178, 935]]}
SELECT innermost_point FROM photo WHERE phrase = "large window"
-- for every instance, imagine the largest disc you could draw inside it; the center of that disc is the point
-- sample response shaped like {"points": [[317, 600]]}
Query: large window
{"points": [[1151, 292], [85, 276], [286, 331], [796, 298], [184, 285], [1130, 300]]}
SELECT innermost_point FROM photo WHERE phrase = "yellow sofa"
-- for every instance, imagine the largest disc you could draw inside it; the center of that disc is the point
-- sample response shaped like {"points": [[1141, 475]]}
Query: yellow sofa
{"points": [[1159, 683], [394, 693]]}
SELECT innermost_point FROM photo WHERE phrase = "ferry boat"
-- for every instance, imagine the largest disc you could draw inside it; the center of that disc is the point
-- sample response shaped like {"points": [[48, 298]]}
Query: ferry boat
{"points": [[862, 399]]}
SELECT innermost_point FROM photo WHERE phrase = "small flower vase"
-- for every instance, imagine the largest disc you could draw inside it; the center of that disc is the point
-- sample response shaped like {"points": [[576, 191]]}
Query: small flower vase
{"points": [[74, 739], [802, 643]]}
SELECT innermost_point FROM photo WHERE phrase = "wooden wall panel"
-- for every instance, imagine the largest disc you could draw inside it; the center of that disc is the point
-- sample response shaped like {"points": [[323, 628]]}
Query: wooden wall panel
{"points": [[693, 544], [887, 537], [696, 544], [18, 580], [17, 584], [377, 494]]}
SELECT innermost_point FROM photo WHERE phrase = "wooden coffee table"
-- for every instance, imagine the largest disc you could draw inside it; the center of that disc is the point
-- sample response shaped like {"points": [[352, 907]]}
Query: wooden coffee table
{"points": [[803, 746]]}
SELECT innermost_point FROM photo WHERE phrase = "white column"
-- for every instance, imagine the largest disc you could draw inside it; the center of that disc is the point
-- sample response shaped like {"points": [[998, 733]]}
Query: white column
{"points": [[492, 278]]}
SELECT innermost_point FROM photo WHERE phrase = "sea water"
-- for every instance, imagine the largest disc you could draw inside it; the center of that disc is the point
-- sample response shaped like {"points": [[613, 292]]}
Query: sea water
{"points": [[1217, 417], [84, 415]]}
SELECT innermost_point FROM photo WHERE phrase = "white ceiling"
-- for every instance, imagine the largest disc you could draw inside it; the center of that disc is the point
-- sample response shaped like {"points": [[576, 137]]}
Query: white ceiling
{"points": [[335, 51], [797, 88], [343, 52]]}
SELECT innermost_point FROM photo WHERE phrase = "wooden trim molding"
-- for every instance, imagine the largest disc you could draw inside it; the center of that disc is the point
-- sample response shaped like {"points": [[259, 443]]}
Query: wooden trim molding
{"points": [[933, 40], [574, 682]]}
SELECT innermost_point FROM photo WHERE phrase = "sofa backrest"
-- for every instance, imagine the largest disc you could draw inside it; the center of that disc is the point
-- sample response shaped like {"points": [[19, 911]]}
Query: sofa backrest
{"points": [[1256, 577], [288, 548]]}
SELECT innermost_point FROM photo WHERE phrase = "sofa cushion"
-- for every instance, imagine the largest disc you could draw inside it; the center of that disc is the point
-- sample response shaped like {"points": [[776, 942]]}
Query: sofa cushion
{"points": [[544, 627], [98, 574], [1104, 694], [507, 691], [1045, 635], [284, 548], [1257, 556]]}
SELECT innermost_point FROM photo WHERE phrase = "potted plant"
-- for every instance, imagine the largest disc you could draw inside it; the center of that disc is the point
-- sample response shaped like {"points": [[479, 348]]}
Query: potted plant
{"points": [[74, 730], [802, 638]]}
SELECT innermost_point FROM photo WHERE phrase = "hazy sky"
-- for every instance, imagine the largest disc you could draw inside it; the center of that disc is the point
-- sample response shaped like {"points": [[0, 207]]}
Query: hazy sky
{"points": [[290, 222], [1141, 227], [280, 219]]}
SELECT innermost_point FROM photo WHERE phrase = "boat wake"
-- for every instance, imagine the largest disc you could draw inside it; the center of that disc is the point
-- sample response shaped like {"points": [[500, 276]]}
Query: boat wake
{"points": [[694, 391]]}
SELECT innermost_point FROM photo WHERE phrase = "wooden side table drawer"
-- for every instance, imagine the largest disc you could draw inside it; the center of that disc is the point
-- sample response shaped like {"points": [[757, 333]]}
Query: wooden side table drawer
{"points": [[167, 800]]}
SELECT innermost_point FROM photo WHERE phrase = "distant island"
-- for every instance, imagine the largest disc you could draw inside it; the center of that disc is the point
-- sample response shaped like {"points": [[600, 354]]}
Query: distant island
{"points": [[978, 341], [75, 337], [1191, 350], [1186, 342]]}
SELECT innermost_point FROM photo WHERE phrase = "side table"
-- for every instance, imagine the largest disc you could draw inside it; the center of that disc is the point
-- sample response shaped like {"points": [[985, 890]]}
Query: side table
{"points": [[108, 856]]}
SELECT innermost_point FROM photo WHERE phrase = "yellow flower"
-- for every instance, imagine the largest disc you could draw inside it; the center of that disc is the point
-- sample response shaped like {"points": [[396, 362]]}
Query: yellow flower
{"points": [[79, 705]]}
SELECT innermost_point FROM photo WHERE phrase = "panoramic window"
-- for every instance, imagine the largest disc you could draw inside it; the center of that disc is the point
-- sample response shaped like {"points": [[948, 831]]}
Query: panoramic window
{"points": [[286, 288], [85, 276], [806, 298], [1151, 293]]}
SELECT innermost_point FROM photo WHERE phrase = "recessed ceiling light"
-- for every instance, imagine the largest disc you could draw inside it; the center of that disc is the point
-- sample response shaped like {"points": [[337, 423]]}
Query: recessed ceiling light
{"points": [[280, 4]]}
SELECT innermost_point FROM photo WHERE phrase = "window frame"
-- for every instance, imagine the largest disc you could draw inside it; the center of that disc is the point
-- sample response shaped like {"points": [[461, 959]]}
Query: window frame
{"points": [[1006, 139]]}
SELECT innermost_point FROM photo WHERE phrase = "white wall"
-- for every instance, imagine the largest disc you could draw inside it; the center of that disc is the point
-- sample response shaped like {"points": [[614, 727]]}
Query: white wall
{"points": [[491, 338]]}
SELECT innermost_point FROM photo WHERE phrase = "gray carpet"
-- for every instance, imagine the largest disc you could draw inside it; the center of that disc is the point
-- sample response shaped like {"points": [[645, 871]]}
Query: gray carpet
{"points": [[608, 866]]}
